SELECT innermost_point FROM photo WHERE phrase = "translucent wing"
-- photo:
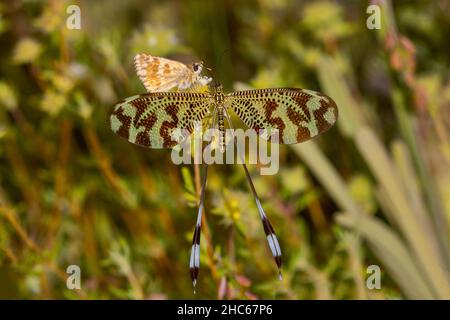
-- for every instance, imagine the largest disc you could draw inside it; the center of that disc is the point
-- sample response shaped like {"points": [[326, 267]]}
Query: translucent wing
{"points": [[297, 114], [160, 74], [159, 119]]}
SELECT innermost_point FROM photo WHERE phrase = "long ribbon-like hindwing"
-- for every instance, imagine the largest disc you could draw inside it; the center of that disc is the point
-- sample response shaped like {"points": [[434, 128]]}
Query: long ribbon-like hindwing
{"points": [[194, 261], [268, 229]]}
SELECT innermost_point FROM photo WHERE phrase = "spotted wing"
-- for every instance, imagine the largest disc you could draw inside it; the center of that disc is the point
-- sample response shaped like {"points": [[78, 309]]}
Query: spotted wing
{"points": [[159, 119], [160, 74], [297, 114]]}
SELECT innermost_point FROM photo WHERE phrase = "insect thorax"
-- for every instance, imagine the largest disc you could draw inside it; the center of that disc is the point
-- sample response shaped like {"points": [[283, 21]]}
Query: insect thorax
{"points": [[219, 96], [219, 99]]}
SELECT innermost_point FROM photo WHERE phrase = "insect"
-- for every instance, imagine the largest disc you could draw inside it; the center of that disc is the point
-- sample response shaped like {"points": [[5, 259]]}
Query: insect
{"points": [[150, 120], [161, 74]]}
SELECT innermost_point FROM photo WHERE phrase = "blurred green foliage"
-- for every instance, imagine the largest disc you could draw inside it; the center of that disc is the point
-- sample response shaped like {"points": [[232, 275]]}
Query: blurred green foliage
{"points": [[376, 191]]}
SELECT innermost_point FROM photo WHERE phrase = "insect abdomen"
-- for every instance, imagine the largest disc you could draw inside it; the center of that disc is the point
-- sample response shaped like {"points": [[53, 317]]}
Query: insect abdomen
{"points": [[220, 121]]}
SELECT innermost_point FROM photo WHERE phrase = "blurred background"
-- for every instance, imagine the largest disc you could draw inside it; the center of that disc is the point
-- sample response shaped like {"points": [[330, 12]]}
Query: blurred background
{"points": [[372, 191]]}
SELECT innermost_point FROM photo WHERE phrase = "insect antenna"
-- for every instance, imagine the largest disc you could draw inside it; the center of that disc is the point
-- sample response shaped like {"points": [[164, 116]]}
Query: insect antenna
{"points": [[268, 229], [211, 70]]}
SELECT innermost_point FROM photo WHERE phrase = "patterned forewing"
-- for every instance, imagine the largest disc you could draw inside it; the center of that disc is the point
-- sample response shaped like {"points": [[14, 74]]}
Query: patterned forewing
{"points": [[160, 119], [160, 74], [297, 114]]}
